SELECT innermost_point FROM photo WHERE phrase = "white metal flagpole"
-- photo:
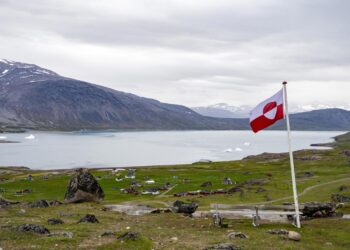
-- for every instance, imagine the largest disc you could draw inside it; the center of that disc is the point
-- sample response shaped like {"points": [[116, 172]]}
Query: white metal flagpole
{"points": [[295, 193]]}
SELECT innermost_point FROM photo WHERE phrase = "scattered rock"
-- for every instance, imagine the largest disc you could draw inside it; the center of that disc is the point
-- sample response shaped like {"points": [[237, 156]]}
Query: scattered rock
{"points": [[346, 153], [55, 203], [251, 182], [66, 234], [83, 187], [39, 203], [260, 190], [90, 218], [161, 211], [173, 238], [308, 174], [207, 184], [223, 246], [21, 211], [309, 158], [186, 208], [278, 231], [240, 235], [129, 236], [66, 214], [33, 228], [340, 198], [105, 234], [292, 235], [343, 188], [26, 191], [235, 189], [54, 221], [5, 203]]}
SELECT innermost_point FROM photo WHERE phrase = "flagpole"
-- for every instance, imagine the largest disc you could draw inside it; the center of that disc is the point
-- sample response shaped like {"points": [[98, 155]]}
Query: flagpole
{"points": [[295, 193]]}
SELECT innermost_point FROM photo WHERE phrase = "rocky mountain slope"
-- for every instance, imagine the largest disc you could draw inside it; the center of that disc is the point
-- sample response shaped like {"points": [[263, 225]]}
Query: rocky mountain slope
{"points": [[37, 98], [33, 97]]}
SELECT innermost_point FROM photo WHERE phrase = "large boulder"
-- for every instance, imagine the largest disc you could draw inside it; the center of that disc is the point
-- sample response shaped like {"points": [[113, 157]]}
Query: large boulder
{"points": [[319, 209], [186, 208], [83, 187], [292, 235]]}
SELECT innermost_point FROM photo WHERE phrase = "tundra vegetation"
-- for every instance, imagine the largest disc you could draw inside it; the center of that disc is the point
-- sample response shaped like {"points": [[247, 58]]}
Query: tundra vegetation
{"points": [[36, 197]]}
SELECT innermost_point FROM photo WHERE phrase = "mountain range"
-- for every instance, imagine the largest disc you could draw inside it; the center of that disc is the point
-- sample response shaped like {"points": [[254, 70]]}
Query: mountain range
{"points": [[37, 98], [223, 110]]}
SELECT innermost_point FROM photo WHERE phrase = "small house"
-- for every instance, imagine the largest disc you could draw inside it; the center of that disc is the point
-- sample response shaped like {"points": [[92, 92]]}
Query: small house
{"points": [[150, 181]]}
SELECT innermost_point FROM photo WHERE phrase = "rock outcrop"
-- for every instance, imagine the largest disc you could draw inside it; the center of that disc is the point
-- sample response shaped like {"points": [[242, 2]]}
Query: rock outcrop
{"points": [[33, 228], [186, 208], [83, 187], [319, 210]]}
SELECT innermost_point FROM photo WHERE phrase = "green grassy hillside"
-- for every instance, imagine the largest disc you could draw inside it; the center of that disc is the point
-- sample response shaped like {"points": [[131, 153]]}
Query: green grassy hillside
{"points": [[319, 174]]}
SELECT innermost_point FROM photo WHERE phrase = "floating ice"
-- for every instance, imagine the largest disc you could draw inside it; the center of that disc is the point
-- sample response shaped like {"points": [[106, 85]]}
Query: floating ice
{"points": [[247, 144], [3, 137], [30, 137], [229, 150], [238, 149]]}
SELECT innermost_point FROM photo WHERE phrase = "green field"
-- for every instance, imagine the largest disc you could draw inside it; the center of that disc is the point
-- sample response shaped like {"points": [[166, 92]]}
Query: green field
{"points": [[329, 170]]}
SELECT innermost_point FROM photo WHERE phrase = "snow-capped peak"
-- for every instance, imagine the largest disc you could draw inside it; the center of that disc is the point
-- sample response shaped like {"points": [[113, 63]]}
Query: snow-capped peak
{"points": [[21, 73]]}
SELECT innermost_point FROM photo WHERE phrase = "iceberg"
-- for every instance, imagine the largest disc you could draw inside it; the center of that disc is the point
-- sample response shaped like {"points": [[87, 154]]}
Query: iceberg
{"points": [[30, 137]]}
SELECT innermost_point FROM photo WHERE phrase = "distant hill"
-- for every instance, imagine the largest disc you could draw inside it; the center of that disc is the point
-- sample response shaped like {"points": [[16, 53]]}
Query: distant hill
{"points": [[324, 119], [37, 98]]}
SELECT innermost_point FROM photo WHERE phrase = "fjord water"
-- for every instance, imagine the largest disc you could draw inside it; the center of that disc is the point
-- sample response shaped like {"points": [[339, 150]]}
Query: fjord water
{"points": [[53, 150]]}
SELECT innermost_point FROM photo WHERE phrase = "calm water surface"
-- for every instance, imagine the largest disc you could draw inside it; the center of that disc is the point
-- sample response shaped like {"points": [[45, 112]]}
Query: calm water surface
{"points": [[50, 150]]}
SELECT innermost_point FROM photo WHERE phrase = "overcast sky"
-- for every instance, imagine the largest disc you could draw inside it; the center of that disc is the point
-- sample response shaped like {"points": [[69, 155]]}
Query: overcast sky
{"points": [[189, 52]]}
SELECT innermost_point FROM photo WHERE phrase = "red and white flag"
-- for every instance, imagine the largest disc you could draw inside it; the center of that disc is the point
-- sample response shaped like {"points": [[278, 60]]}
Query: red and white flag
{"points": [[267, 112]]}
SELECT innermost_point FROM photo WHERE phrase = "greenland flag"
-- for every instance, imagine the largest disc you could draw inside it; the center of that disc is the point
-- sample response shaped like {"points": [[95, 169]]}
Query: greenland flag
{"points": [[267, 112]]}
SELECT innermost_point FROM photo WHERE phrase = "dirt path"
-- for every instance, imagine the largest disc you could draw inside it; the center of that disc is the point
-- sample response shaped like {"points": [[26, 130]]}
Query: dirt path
{"points": [[305, 191], [164, 194]]}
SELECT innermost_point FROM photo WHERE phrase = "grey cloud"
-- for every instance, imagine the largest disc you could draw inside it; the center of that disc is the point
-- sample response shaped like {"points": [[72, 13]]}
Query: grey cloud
{"points": [[190, 52]]}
